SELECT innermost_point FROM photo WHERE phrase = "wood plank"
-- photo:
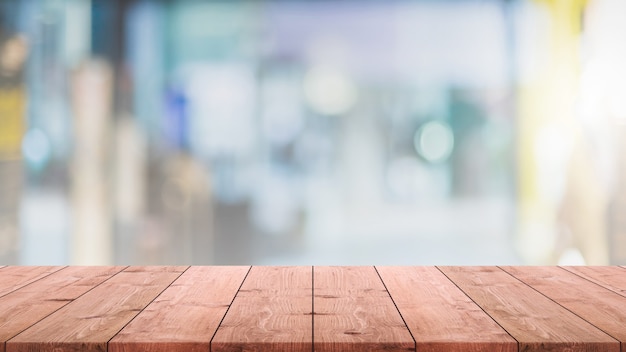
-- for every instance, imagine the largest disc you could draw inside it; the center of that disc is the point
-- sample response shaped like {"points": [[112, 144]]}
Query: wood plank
{"points": [[22, 308], [186, 315], [536, 322], [610, 277], [577, 294], [16, 277], [439, 315], [89, 322], [354, 312], [271, 312], [157, 269]]}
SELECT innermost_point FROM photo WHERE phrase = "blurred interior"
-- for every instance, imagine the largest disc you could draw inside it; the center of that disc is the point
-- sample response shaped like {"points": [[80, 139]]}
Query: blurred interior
{"points": [[312, 132]]}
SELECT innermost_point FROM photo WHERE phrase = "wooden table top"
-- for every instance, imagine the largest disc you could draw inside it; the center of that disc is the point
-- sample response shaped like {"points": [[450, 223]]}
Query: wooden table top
{"points": [[304, 308]]}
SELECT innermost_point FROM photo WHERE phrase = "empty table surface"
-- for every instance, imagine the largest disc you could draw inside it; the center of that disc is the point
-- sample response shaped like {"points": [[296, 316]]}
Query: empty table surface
{"points": [[305, 308]]}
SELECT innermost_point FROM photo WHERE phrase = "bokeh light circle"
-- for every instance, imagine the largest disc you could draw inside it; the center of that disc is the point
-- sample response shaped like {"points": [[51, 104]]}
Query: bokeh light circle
{"points": [[434, 141]]}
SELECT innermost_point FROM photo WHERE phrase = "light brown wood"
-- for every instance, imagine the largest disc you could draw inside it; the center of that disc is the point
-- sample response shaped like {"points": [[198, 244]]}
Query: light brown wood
{"points": [[535, 321], [608, 311], [353, 312], [89, 322], [610, 277], [185, 316], [22, 308], [156, 269], [13, 278], [271, 312], [155, 309], [439, 315]]}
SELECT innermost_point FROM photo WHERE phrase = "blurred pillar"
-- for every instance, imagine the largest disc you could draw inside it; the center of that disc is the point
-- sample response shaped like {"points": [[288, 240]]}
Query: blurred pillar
{"points": [[129, 188], [561, 199], [603, 111], [13, 51], [618, 204], [92, 91]]}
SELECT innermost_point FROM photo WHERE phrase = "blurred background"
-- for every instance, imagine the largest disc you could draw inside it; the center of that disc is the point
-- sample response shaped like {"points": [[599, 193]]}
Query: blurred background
{"points": [[312, 132]]}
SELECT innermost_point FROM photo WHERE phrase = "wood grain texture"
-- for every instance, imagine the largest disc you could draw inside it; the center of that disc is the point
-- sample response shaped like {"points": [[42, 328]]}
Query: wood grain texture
{"points": [[186, 315], [22, 308], [607, 312], [353, 312], [89, 322], [611, 277], [271, 312], [536, 322], [439, 315], [157, 309], [156, 269], [13, 278]]}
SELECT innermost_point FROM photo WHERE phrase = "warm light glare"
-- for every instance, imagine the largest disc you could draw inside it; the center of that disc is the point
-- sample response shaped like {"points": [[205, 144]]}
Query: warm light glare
{"points": [[571, 256], [329, 91]]}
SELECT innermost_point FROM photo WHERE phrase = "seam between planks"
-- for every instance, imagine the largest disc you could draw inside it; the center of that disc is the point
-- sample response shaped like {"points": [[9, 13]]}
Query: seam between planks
{"points": [[593, 282], [622, 347], [7, 340], [61, 307], [398, 309], [227, 309], [560, 305], [43, 277], [142, 309], [479, 306]]}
